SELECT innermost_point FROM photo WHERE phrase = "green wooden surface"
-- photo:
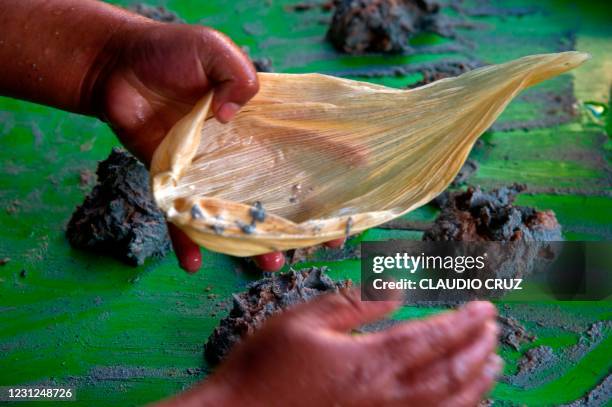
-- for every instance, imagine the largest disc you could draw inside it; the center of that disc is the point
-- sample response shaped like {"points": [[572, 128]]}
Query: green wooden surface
{"points": [[127, 336]]}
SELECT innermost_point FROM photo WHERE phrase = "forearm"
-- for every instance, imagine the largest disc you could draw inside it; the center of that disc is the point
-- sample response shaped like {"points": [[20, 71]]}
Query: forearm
{"points": [[52, 51]]}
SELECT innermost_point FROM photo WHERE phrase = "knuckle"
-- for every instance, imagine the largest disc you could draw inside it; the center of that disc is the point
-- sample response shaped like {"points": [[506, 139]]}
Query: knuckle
{"points": [[251, 86], [442, 380], [205, 33], [439, 331], [456, 373]]}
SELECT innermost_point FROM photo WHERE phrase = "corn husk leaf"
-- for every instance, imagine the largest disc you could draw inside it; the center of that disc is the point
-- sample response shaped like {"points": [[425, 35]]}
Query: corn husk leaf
{"points": [[328, 157]]}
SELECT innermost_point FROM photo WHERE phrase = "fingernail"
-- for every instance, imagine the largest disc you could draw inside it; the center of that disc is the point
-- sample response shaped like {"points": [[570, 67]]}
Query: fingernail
{"points": [[227, 111], [192, 263], [270, 261], [336, 243]]}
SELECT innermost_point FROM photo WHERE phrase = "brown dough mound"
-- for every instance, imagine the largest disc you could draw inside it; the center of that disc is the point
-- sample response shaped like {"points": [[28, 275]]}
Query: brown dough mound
{"points": [[261, 300], [477, 215], [360, 26]]}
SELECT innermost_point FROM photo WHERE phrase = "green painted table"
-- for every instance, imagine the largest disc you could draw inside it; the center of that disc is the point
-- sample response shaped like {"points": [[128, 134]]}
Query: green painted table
{"points": [[127, 336]]}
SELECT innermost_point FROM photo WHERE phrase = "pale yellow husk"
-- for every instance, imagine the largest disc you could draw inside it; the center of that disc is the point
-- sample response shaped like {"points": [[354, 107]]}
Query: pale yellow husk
{"points": [[327, 156]]}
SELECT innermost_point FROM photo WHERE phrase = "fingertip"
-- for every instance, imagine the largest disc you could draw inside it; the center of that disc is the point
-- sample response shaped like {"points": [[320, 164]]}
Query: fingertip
{"points": [[227, 111], [231, 95], [336, 243], [480, 309], [492, 329], [270, 262], [187, 252], [191, 263]]}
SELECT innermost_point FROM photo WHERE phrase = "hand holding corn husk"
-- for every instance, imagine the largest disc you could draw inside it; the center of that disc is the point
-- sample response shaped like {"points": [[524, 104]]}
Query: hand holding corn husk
{"points": [[312, 158]]}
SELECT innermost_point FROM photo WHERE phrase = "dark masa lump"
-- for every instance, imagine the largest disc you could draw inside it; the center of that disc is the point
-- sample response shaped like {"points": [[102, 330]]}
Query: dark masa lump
{"points": [[477, 215], [157, 13], [360, 26], [119, 216], [262, 299]]}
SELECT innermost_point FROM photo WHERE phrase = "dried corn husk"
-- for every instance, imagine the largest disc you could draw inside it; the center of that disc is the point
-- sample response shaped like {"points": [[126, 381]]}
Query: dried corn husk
{"points": [[327, 157]]}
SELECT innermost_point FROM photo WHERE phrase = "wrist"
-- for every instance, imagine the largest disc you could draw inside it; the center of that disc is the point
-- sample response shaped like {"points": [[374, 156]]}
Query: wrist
{"points": [[79, 38]]}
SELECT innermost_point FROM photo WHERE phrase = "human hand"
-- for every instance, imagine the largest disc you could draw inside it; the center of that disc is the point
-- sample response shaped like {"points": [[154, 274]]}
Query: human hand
{"points": [[139, 75], [159, 73], [307, 356]]}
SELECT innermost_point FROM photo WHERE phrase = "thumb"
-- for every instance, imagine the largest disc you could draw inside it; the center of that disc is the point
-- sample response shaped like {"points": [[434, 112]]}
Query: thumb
{"points": [[229, 97], [231, 73], [343, 311]]}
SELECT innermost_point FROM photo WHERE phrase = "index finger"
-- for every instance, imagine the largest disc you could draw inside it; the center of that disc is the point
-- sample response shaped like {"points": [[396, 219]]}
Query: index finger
{"points": [[425, 340]]}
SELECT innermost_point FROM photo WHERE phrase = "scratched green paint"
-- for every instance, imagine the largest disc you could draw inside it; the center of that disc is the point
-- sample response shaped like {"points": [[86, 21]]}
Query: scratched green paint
{"points": [[76, 314]]}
